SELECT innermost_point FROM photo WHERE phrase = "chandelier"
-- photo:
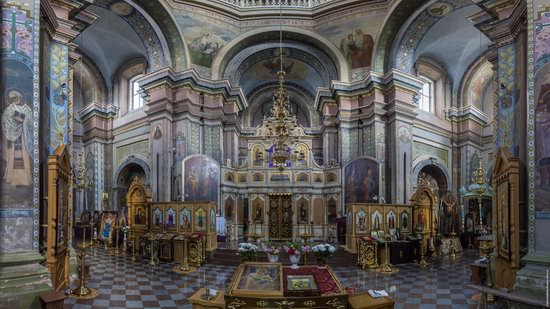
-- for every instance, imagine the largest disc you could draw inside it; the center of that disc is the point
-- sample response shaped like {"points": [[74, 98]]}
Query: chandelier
{"points": [[280, 126]]}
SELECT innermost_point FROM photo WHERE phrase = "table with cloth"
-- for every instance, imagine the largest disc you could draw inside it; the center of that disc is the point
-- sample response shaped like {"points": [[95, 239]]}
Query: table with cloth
{"points": [[266, 285]]}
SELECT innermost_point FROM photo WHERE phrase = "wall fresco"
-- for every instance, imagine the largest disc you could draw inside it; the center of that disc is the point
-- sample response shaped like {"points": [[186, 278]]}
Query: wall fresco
{"points": [[201, 179], [19, 138], [542, 114], [361, 181]]}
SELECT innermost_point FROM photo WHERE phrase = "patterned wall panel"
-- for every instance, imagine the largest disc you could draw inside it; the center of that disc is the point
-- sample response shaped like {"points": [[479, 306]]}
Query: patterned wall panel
{"points": [[58, 96], [19, 201], [141, 147], [507, 97], [420, 149], [193, 143], [212, 146], [369, 148], [345, 137]]}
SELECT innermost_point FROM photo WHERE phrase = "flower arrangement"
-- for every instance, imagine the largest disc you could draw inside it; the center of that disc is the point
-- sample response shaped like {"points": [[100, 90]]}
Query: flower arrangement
{"points": [[323, 252], [271, 248], [247, 251], [295, 247]]}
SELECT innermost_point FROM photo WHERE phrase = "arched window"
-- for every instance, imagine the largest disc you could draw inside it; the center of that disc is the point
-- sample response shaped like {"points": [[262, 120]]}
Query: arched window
{"points": [[426, 95], [136, 101]]}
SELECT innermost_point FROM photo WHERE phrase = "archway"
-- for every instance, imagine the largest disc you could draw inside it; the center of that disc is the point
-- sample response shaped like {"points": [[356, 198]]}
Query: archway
{"points": [[432, 170], [125, 174]]}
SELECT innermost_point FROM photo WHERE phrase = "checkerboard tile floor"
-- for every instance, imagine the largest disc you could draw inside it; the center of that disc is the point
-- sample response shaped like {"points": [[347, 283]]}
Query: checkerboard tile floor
{"points": [[125, 284]]}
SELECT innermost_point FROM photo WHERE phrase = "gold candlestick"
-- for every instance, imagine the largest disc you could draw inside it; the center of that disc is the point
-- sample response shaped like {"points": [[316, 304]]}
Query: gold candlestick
{"points": [[133, 259], [152, 245], [184, 267], [423, 262], [82, 291], [117, 230], [387, 267]]}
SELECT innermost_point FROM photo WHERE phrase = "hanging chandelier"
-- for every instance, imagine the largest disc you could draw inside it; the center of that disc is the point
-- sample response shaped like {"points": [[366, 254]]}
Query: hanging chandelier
{"points": [[280, 126]]}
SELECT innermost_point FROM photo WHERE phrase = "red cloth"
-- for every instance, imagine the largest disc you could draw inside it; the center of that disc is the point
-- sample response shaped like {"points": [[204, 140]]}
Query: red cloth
{"points": [[323, 279]]}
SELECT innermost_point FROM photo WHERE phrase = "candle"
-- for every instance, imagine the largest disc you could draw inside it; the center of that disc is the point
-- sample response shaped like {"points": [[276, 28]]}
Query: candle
{"points": [[84, 237]]}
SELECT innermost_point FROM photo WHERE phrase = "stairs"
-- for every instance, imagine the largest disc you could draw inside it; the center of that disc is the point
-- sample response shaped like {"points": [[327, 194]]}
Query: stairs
{"points": [[229, 257]]}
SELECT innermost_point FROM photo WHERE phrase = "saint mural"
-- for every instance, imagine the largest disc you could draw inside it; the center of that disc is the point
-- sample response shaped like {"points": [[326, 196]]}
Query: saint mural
{"points": [[361, 182], [303, 212], [17, 128], [542, 139], [203, 50], [358, 46], [201, 179], [258, 217]]}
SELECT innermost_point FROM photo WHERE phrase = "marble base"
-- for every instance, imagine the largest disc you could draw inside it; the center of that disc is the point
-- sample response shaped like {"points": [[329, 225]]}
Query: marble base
{"points": [[23, 279], [531, 280]]}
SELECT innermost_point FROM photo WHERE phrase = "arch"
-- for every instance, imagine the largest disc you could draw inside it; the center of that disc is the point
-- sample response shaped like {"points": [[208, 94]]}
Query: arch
{"points": [[332, 210], [318, 210], [133, 159], [231, 49], [480, 71], [412, 31], [154, 41], [432, 162], [387, 33]]}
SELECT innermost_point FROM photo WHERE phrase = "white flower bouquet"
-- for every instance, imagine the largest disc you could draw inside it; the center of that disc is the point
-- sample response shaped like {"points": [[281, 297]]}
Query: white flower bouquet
{"points": [[247, 251], [323, 252]]}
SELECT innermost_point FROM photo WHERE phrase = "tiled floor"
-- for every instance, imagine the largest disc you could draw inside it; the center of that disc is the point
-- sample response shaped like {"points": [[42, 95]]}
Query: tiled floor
{"points": [[123, 284]]}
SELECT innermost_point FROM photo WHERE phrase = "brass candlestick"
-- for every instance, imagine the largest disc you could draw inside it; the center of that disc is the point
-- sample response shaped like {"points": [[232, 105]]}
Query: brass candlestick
{"points": [[82, 291], [117, 232], [133, 259], [152, 246], [387, 267], [306, 236], [185, 267], [452, 253], [423, 262]]}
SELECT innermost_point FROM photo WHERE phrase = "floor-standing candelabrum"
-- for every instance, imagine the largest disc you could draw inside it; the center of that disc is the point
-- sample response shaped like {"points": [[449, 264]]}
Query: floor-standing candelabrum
{"points": [[423, 261], [387, 267], [152, 249], [452, 253], [117, 232], [82, 291], [134, 245], [306, 236], [185, 267]]}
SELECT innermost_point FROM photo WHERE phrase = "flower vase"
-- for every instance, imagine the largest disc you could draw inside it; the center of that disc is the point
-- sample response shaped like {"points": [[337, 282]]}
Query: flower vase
{"points": [[273, 258], [294, 259], [322, 263]]}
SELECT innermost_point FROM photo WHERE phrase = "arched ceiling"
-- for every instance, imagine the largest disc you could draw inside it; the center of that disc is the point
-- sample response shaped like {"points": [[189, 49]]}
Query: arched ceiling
{"points": [[454, 42], [109, 49]]}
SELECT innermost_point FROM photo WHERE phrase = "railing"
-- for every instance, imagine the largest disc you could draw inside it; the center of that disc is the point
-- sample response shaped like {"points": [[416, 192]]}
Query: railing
{"points": [[275, 3]]}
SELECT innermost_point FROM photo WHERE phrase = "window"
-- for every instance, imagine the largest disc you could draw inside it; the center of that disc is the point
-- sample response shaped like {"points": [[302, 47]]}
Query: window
{"points": [[426, 96], [135, 97]]}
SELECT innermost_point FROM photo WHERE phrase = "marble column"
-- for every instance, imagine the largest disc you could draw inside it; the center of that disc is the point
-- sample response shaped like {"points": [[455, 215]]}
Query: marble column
{"points": [[400, 112]]}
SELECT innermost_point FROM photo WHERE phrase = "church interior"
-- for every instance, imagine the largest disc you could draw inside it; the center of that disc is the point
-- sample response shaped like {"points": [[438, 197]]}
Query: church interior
{"points": [[275, 154]]}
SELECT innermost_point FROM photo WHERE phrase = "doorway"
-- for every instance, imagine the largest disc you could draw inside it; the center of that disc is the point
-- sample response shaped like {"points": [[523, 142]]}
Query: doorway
{"points": [[280, 216]]}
